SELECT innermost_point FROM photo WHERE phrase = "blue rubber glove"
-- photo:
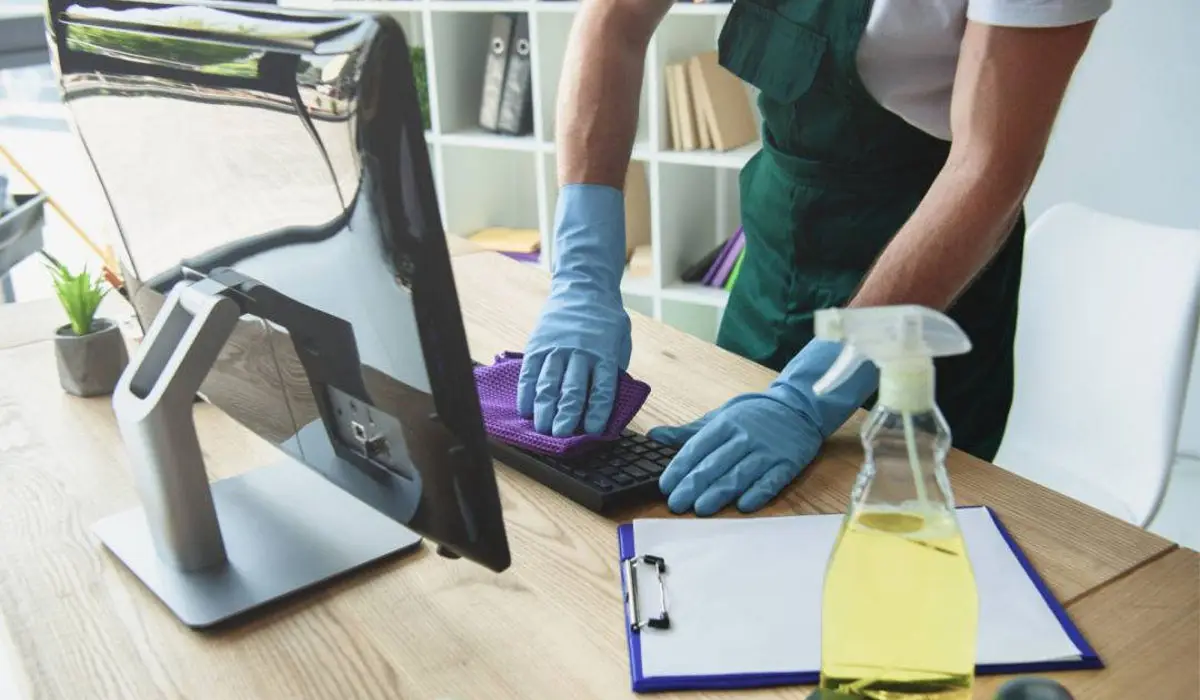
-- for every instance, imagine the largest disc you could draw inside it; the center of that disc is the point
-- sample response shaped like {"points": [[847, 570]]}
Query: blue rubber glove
{"points": [[582, 339], [754, 445]]}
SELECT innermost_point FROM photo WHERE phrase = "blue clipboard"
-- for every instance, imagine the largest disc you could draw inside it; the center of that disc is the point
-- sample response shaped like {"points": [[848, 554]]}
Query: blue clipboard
{"points": [[641, 683]]}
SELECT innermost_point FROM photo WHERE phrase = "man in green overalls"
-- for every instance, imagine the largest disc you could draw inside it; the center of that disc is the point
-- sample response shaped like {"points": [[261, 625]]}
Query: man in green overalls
{"points": [[858, 197]]}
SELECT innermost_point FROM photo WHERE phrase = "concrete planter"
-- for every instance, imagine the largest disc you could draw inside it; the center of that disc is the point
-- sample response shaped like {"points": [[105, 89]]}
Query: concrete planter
{"points": [[90, 365]]}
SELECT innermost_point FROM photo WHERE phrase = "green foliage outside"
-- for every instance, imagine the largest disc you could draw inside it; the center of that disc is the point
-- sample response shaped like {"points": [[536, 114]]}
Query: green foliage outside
{"points": [[210, 57], [80, 294], [421, 78]]}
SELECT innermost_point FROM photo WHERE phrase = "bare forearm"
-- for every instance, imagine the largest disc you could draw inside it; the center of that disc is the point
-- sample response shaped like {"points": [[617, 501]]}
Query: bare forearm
{"points": [[597, 110], [1009, 86], [961, 223]]}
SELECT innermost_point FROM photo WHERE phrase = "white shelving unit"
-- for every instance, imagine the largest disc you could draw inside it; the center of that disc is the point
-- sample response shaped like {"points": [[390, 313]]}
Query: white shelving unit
{"points": [[486, 179]]}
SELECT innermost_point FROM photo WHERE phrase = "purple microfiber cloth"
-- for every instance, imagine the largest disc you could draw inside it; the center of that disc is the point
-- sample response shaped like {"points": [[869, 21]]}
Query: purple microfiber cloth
{"points": [[497, 386]]}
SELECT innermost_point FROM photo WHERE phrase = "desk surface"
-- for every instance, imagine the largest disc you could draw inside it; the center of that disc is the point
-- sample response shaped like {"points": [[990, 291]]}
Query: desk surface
{"points": [[75, 624]]}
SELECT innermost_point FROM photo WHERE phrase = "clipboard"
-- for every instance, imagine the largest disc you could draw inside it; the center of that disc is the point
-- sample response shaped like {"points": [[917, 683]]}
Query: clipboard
{"points": [[681, 570]]}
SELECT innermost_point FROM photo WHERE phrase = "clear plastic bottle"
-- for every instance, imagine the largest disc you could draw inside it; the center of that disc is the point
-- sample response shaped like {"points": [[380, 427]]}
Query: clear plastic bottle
{"points": [[900, 608]]}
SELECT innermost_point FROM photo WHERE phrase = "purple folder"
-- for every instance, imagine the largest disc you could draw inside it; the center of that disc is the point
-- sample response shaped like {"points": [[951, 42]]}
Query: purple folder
{"points": [[730, 259], [711, 274]]}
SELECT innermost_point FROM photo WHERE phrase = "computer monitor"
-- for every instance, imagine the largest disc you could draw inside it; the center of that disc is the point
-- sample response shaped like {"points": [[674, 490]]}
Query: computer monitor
{"points": [[282, 246]]}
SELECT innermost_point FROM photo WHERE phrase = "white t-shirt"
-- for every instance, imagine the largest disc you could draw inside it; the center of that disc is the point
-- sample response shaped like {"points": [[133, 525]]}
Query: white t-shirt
{"points": [[909, 52]]}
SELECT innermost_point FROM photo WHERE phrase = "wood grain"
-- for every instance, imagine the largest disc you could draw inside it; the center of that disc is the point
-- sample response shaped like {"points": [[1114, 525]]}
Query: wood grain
{"points": [[1074, 546], [1146, 628], [36, 320], [74, 624]]}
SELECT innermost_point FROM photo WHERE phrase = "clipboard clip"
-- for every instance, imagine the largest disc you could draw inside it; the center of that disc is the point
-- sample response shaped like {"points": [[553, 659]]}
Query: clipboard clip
{"points": [[662, 621]]}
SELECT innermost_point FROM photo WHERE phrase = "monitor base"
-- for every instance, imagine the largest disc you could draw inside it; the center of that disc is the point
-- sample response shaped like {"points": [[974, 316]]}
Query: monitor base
{"points": [[285, 529]]}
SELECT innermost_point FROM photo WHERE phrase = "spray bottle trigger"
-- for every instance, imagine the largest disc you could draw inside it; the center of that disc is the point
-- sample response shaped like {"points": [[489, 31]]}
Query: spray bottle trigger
{"points": [[847, 363]]}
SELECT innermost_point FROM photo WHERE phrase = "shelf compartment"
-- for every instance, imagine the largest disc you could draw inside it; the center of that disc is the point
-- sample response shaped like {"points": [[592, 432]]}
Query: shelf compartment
{"points": [[355, 5], [476, 137], [488, 187], [697, 209], [461, 41], [698, 320], [712, 9], [484, 6], [699, 294], [638, 286], [735, 158]]}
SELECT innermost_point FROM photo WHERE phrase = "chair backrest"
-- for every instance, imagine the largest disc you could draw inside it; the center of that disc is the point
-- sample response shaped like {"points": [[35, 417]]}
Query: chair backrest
{"points": [[1105, 337]]}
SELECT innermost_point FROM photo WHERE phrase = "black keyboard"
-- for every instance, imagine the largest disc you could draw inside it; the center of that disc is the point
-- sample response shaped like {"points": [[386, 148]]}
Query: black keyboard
{"points": [[607, 477]]}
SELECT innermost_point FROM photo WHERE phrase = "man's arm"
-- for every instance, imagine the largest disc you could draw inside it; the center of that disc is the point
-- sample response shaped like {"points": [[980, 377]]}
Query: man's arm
{"points": [[1007, 92], [601, 88]]}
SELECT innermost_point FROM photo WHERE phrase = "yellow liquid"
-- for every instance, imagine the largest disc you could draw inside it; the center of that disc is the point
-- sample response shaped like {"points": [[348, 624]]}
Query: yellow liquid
{"points": [[900, 609]]}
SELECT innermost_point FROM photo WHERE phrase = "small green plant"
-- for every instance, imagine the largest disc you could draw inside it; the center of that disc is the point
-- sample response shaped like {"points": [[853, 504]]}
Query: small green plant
{"points": [[80, 294], [421, 79]]}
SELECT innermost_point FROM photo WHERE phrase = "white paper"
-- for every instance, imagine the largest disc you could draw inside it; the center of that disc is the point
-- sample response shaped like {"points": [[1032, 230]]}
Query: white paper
{"points": [[744, 595]]}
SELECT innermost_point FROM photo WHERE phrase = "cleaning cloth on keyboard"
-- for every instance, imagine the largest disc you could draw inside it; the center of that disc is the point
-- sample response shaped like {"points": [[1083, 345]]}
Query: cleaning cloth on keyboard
{"points": [[497, 386]]}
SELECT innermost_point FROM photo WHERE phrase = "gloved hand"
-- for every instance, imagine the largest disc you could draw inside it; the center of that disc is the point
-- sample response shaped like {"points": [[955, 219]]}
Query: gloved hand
{"points": [[754, 445], [582, 339]]}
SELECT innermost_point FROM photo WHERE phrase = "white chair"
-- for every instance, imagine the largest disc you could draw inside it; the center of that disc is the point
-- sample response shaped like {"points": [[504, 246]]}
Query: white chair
{"points": [[1104, 346]]}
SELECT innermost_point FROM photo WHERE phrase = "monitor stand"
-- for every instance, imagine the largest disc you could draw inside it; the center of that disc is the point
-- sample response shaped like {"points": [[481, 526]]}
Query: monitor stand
{"points": [[211, 553]]}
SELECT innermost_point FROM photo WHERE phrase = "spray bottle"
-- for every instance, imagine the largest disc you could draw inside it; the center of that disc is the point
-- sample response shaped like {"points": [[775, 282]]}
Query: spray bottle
{"points": [[900, 607]]}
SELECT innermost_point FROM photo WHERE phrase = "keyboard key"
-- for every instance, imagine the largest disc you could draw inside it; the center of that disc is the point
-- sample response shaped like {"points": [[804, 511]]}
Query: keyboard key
{"points": [[622, 479], [602, 483], [651, 467], [635, 472]]}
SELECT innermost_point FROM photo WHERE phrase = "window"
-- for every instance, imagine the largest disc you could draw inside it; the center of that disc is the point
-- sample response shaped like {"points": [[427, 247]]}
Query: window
{"points": [[34, 131]]}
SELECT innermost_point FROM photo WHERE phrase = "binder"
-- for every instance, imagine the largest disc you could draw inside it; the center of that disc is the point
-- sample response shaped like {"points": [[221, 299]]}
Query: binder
{"points": [[711, 273], [516, 99], [737, 268], [723, 271], [495, 67], [724, 603]]}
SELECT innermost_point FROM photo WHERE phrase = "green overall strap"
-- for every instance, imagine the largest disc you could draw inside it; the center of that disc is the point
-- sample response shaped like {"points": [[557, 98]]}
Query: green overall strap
{"points": [[838, 175]]}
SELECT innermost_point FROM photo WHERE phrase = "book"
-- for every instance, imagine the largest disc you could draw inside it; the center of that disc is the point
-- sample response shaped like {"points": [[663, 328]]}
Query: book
{"points": [[676, 141], [719, 270], [726, 103], [683, 101], [737, 267]]}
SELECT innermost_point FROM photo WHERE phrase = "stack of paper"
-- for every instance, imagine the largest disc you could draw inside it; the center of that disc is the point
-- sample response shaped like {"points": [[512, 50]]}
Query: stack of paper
{"points": [[519, 243], [744, 598]]}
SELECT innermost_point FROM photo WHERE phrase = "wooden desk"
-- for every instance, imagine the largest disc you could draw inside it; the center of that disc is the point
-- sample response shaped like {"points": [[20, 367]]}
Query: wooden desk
{"points": [[74, 624]]}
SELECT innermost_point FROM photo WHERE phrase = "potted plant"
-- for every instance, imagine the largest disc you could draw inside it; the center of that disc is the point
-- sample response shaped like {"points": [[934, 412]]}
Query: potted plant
{"points": [[90, 351]]}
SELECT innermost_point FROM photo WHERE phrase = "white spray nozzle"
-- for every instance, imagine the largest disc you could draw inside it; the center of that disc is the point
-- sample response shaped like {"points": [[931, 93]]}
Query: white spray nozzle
{"points": [[901, 340]]}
